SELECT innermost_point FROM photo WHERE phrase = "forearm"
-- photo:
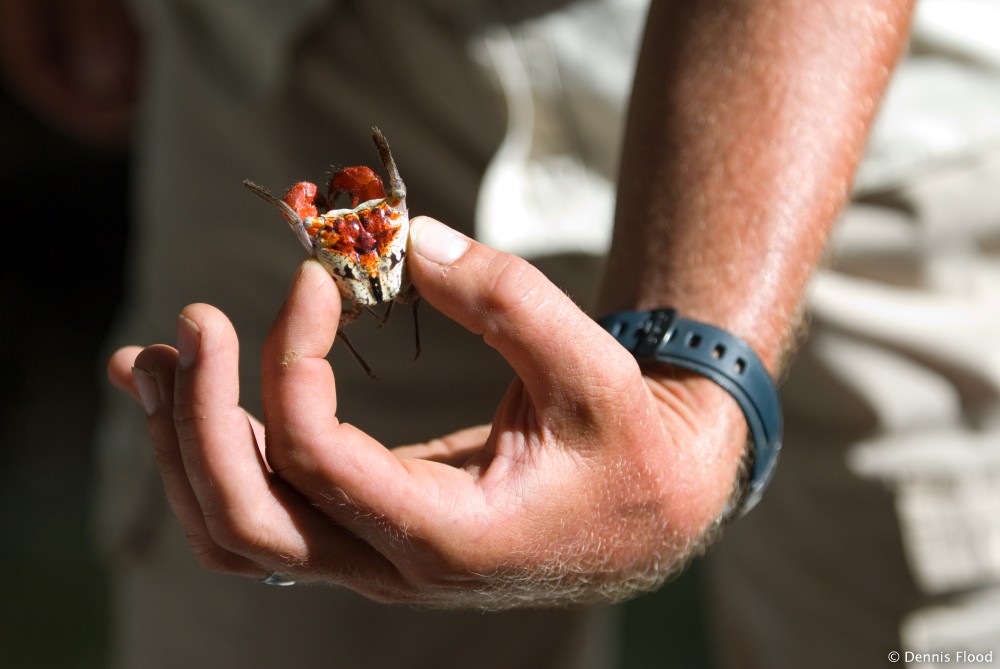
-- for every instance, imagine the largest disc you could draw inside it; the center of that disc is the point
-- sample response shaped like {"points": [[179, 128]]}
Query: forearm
{"points": [[746, 124]]}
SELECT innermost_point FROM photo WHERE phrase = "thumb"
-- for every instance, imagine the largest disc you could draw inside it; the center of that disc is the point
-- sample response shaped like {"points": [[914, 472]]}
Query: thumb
{"points": [[537, 328]]}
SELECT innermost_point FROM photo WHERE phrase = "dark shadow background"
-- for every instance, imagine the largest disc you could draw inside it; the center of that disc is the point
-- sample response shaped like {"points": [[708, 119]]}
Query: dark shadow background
{"points": [[65, 226]]}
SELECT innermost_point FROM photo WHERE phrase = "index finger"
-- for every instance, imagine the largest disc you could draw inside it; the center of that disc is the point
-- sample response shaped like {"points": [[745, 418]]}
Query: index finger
{"points": [[300, 393], [343, 471]]}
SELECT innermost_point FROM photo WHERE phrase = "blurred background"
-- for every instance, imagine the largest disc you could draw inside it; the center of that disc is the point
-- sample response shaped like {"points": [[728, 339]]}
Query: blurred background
{"points": [[65, 192]]}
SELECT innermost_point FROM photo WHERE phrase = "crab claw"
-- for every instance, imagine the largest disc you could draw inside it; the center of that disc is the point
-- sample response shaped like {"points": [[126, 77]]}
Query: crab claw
{"points": [[359, 182], [302, 198]]}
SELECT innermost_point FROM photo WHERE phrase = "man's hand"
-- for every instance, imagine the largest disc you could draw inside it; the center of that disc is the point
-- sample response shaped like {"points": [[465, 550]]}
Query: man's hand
{"points": [[593, 480]]}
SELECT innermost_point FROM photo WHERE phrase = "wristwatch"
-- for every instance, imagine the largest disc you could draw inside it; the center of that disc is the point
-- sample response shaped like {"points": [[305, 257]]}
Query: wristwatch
{"points": [[661, 335]]}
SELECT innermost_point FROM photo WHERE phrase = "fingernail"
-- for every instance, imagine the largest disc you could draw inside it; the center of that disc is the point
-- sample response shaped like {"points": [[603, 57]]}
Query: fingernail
{"points": [[188, 341], [437, 242], [149, 392]]}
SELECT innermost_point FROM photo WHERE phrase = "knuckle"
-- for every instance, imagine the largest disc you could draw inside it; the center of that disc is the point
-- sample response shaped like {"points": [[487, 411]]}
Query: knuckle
{"points": [[237, 533], [164, 441], [187, 414], [211, 556], [513, 284], [518, 294], [444, 566]]}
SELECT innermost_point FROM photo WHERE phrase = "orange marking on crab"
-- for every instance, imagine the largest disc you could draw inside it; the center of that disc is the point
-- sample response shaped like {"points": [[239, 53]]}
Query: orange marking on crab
{"points": [[363, 236]]}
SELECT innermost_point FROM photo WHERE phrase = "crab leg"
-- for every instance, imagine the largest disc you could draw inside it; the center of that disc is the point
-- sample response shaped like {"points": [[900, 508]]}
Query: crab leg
{"points": [[295, 221], [397, 191]]}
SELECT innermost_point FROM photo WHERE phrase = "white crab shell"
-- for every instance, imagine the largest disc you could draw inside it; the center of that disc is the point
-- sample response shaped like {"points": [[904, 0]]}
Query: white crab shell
{"points": [[363, 248]]}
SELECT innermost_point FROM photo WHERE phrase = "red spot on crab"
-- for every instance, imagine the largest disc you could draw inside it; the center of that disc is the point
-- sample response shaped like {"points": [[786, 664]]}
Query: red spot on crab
{"points": [[348, 226]]}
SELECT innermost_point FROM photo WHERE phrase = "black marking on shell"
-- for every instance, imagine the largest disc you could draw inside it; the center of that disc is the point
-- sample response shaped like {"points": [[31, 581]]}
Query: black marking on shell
{"points": [[376, 285]]}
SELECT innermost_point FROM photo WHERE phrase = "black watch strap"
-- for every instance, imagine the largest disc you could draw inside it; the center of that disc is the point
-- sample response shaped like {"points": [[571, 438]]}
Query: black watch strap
{"points": [[661, 335]]}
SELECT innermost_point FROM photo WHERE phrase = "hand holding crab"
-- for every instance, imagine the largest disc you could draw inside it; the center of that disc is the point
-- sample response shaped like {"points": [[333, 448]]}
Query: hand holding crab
{"points": [[582, 489]]}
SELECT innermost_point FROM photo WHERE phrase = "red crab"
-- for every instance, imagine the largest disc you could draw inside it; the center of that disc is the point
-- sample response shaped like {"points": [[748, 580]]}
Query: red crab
{"points": [[363, 246]]}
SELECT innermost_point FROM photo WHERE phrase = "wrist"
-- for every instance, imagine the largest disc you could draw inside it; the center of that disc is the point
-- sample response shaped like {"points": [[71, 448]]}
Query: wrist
{"points": [[661, 336]]}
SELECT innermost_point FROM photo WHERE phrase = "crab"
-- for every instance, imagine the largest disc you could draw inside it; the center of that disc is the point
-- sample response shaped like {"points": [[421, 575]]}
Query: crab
{"points": [[363, 246]]}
